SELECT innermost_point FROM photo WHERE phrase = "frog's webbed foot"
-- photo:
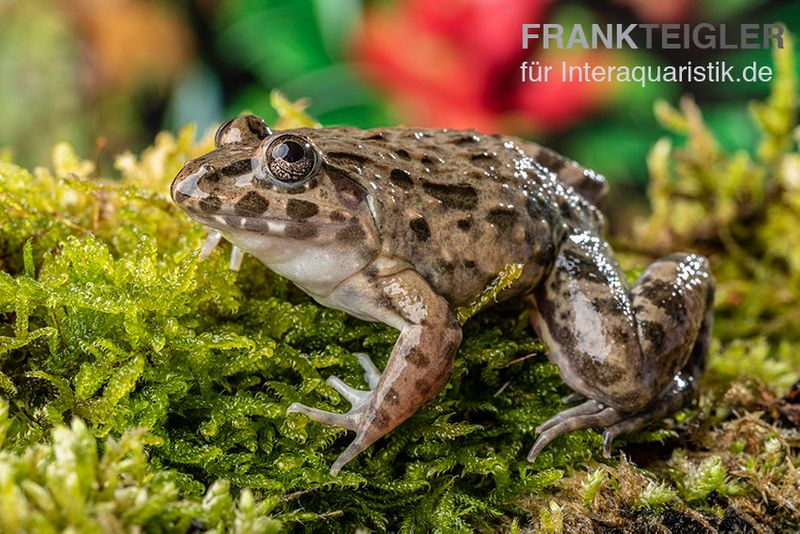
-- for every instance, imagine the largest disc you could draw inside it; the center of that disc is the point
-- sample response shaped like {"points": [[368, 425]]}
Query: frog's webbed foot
{"points": [[355, 418]]}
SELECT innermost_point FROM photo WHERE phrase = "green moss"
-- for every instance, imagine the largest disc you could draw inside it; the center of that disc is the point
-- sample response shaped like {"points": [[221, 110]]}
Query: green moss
{"points": [[110, 323], [64, 483]]}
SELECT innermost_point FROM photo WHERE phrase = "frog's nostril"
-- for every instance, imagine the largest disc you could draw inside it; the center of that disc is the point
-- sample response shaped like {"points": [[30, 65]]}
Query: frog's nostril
{"points": [[185, 187]]}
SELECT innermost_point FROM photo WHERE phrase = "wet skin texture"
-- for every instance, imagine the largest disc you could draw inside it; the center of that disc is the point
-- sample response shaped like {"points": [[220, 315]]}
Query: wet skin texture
{"points": [[403, 225]]}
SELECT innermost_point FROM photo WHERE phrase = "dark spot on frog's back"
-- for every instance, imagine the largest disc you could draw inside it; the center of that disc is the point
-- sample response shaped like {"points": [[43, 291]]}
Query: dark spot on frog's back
{"points": [[236, 168], [403, 154], [502, 218], [401, 178], [251, 204], [466, 139], [300, 209], [453, 196], [420, 228], [464, 224], [441, 266], [210, 204], [337, 216]]}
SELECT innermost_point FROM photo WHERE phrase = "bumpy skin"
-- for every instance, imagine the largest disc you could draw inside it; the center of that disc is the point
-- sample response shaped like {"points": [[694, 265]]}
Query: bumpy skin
{"points": [[402, 225]]}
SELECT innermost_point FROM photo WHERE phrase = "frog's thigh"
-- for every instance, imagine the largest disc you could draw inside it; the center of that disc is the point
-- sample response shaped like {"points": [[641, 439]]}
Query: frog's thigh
{"points": [[618, 347], [585, 316], [672, 302], [675, 346]]}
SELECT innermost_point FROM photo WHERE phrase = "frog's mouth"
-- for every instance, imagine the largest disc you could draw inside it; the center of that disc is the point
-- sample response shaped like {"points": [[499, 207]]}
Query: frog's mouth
{"points": [[267, 225]]}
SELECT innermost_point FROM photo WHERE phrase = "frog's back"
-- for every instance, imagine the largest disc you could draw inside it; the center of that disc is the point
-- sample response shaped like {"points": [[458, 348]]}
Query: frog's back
{"points": [[460, 206]]}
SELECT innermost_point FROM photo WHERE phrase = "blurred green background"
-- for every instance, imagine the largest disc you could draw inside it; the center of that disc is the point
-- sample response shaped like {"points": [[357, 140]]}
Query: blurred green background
{"points": [[106, 75]]}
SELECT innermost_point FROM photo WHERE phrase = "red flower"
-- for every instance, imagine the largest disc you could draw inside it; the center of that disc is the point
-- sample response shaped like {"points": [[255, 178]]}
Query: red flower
{"points": [[456, 64]]}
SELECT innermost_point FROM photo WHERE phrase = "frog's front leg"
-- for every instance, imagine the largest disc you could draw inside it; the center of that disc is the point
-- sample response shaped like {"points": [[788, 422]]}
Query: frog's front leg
{"points": [[636, 355], [418, 368]]}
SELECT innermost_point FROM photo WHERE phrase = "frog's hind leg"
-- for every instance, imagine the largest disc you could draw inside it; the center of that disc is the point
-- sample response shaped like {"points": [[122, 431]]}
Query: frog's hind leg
{"points": [[637, 355], [593, 414], [679, 392]]}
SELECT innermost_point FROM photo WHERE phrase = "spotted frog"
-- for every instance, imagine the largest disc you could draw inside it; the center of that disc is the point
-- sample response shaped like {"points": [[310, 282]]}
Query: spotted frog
{"points": [[403, 225]]}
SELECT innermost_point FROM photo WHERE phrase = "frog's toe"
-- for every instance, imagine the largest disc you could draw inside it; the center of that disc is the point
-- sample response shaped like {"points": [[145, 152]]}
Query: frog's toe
{"points": [[587, 408], [603, 418], [351, 420], [671, 401], [573, 397], [626, 426], [237, 255], [354, 396], [344, 420], [371, 373], [354, 420]]}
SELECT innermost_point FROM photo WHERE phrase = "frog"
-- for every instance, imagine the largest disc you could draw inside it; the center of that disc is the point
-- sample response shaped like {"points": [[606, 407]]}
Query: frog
{"points": [[403, 226]]}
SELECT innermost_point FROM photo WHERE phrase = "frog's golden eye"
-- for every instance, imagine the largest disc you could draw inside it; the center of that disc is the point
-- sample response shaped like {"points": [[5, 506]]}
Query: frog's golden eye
{"points": [[291, 159]]}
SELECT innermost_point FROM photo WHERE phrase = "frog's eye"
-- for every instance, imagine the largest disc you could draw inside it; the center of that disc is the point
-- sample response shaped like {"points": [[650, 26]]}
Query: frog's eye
{"points": [[291, 159], [241, 130]]}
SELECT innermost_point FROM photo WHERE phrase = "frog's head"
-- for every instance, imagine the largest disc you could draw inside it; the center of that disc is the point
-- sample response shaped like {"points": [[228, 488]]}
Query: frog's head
{"points": [[276, 196]]}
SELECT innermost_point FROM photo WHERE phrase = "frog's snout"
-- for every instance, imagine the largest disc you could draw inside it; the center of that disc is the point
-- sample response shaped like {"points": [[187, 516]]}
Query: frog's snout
{"points": [[185, 185]]}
